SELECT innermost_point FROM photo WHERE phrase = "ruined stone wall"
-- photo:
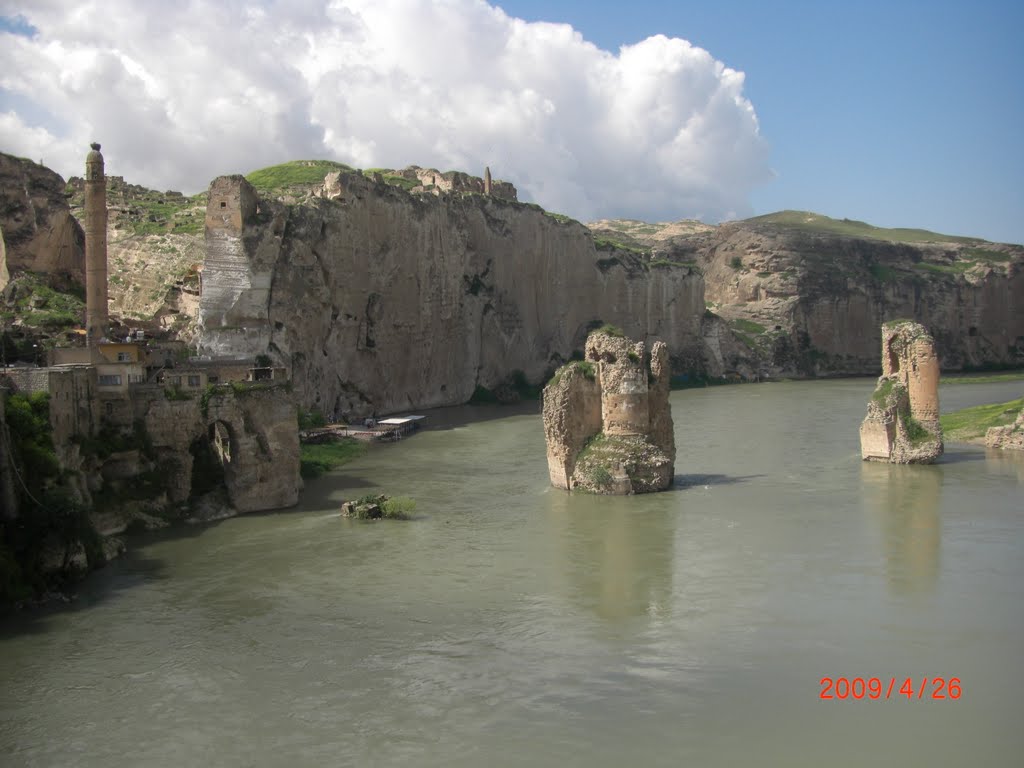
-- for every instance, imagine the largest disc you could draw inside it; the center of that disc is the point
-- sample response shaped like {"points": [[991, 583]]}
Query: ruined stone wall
{"points": [[661, 429], [27, 378], [911, 359], [172, 426], [572, 415], [622, 377], [238, 293], [74, 407], [607, 420], [456, 181], [263, 472], [902, 421]]}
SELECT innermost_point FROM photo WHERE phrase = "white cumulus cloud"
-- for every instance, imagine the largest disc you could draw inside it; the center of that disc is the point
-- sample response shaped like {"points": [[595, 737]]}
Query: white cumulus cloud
{"points": [[179, 93]]}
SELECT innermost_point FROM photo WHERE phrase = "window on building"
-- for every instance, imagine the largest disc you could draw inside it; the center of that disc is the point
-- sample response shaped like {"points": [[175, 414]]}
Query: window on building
{"points": [[213, 379], [223, 204], [110, 409], [174, 381], [123, 357], [110, 380], [193, 381]]}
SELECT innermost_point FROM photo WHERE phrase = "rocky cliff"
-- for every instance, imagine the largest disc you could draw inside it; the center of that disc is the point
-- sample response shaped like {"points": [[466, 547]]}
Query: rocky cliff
{"points": [[798, 294], [39, 232], [383, 300]]}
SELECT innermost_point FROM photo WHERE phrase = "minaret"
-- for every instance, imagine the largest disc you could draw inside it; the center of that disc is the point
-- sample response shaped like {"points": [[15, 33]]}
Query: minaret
{"points": [[95, 248], [487, 180]]}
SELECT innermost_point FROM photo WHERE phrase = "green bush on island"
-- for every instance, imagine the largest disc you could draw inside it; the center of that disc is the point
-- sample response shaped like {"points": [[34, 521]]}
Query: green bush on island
{"points": [[379, 506]]}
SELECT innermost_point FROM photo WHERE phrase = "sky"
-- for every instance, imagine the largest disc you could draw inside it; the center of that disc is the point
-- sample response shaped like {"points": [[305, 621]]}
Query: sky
{"points": [[896, 113]]}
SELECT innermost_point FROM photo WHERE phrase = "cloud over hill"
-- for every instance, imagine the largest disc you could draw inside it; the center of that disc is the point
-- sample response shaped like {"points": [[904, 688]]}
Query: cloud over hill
{"points": [[181, 92]]}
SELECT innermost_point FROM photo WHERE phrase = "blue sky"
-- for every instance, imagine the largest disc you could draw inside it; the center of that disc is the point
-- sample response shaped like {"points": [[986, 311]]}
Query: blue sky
{"points": [[899, 114]]}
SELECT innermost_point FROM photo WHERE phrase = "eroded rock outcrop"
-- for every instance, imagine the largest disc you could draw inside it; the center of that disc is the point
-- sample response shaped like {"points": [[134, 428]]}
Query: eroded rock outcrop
{"points": [[1010, 436], [38, 229], [607, 421], [902, 423]]}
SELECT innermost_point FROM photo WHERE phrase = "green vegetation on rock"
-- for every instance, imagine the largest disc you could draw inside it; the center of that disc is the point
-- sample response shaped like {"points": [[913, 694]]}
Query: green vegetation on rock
{"points": [[816, 223], [747, 326], [37, 305], [293, 173], [583, 366], [610, 330], [38, 546]]}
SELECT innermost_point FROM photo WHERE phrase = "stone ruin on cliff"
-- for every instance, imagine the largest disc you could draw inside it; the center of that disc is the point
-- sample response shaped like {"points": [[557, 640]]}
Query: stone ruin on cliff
{"points": [[607, 420], [902, 423]]}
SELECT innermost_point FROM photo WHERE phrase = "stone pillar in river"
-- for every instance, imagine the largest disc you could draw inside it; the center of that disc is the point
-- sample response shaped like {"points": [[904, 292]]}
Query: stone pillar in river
{"points": [[902, 422], [607, 421]]}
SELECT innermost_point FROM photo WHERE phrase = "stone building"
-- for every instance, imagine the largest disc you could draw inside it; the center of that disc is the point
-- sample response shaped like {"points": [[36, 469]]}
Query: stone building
{"points": [[902, 422], [607, 421]]}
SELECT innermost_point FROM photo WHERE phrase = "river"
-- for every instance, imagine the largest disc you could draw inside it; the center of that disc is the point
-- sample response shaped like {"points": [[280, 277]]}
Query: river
{"points": [[513, 624]]}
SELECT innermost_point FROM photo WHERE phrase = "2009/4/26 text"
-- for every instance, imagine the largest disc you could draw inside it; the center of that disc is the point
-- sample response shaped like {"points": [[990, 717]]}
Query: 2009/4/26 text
{"points": [[874, 688]]}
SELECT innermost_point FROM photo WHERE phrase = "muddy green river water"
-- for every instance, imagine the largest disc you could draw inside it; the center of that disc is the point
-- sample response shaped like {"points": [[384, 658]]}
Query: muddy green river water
{"points": [[513, 624]]}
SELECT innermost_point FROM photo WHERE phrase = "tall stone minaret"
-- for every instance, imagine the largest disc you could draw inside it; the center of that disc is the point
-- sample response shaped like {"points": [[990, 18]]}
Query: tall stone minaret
{"points": [[95, 248], [487, 180]]}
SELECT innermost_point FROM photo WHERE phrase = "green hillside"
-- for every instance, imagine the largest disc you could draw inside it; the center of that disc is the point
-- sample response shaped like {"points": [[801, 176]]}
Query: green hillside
{"points": [[816, 223], [293, 173]]}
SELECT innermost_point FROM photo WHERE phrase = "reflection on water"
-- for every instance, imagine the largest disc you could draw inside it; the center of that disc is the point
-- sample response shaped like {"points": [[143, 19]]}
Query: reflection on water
{"points": [[1003, 462], [515, 624], [903, 504], [616, 561]]}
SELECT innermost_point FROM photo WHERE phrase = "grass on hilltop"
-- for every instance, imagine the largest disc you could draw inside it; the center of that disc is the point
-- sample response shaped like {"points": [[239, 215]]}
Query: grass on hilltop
{"points": [[972, 423], [816, 223], [292, 173]]}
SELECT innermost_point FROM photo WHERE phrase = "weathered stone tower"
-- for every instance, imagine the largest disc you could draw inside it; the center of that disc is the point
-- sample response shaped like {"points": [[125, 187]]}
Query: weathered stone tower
{"points": [[96, 319], [487, 180], [607, 420], [902, 423]]}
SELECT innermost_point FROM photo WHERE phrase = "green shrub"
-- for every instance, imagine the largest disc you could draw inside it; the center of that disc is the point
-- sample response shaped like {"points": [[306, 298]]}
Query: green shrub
{"points": [[482, 396], [610, 330], [176, 393], [311, 419], [323, 457], [736, 263], [398, 507], [747, 326]]}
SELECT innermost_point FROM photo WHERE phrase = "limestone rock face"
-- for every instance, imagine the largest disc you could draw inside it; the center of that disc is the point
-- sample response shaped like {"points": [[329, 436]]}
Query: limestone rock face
{"points": [[39, 232], [1010, 436], [791, 295], [380, 300], [607, 421], [902, 423]]}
